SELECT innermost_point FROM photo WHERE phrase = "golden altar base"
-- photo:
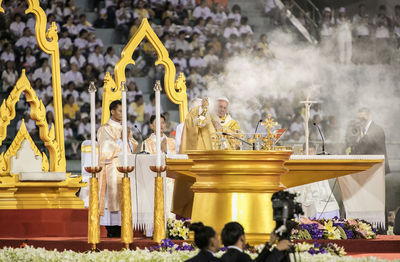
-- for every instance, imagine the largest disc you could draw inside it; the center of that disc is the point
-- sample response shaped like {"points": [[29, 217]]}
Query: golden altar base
{"points": [[238, 185]]}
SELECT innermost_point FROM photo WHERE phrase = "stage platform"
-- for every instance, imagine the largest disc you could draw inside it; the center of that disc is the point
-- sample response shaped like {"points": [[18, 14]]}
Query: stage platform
{"points": [[385, 247]]}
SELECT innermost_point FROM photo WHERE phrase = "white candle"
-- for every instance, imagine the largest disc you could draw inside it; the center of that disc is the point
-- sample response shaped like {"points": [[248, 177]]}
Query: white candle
{"points": [[157, 90], [92, 91], [124, 125]]}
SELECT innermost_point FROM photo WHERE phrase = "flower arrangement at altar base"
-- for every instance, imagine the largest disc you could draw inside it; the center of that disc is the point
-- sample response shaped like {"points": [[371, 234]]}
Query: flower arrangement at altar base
{"points": [[317, 248], [178, 229], [333, 229]]}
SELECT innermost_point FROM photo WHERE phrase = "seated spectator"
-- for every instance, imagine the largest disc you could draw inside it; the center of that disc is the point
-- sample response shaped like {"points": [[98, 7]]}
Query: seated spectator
{"points": [[51, 18], [169, 125], [17, 26], [97, 59], [197, 61], [181, 60], [84, 24], [263, 44], [185, 27], [230, 29], [110, 58], [56, 8], [169, 42], [382, 36], [182, 44], [26, 40], [70, 26], [220, 16], [137, 107], [74, 75], [71, 90], [215, 44], [93, 41], [69, 8], [28, 60], [81, 41], [244, 28], [133, 90], [202, 10], [169, 26], [89, 74], [134, 125], [84, 127], [210, 58], [65, 43], [134, 27], [102, 21], [211, 28], [71, 145], [233, 45], [9, 76], [8, 53], [78, 58], [170, 12], [141, 12], [71, 109], [150, 109], [43, 72], [197, 42], [29, 123], [235, 15], [123, 16]]}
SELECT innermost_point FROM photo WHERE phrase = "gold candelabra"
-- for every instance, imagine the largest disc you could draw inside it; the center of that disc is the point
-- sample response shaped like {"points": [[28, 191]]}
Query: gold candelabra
{"points": [[159, 220], [94, 217], [126, 209]]}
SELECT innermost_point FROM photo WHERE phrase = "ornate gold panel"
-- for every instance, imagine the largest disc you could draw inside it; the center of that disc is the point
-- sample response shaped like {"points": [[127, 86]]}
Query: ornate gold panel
{"points": [[176, 91]]}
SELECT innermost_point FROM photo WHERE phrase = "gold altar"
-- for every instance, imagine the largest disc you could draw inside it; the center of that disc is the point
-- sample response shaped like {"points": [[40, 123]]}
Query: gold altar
{"points": [[238, 185]]}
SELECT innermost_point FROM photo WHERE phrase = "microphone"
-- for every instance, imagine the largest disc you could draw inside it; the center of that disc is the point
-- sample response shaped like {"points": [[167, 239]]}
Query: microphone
{"points": [[323, 140], [141, 139], [241, 140], [258, 123]]}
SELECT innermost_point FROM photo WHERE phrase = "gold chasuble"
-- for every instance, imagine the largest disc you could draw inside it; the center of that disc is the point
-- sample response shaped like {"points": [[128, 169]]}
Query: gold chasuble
{"points": [[197, 134], [109, 137], [230, 125], [150, 144]]}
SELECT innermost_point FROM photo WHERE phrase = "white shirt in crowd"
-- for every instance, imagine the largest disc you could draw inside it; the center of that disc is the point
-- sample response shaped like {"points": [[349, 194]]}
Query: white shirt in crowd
{"points": [[72, 29], [65, 43], [112, 60], [17, 28], [235, 17], [84, 96], [229, 31], [25, 41], [220, 18], [75, 77], [84, 129], [182, 62], [97, 60], [210, 59], [81, 43], [9, 79], [80, 62], [245, 29], [45, 75], [184, 45], [200, 11], [68, 133], [7, 56], [118, 14], [74, 93], [151, 110], [197, 62], [361, 25]]}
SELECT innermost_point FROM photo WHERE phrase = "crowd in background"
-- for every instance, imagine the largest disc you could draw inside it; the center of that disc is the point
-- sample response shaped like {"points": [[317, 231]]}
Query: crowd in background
{"points": [[199, 36]]}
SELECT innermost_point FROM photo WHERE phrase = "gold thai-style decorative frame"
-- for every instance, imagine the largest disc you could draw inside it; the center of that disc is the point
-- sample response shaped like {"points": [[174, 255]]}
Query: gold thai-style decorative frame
{"points": [[176, 91], [53, 138]]}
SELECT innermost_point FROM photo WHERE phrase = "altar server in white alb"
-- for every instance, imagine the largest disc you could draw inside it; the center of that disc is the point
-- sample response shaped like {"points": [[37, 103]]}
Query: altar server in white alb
{"points": [[109, 137]]}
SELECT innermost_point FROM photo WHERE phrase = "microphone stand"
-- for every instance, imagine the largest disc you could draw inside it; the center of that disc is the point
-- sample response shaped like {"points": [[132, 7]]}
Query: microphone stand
{"points": [[323, 140], [241, 140], [141, 139]]}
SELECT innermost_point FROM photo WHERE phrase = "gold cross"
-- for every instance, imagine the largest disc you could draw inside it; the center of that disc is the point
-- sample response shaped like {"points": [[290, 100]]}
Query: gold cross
{"points": [[269, 123]]}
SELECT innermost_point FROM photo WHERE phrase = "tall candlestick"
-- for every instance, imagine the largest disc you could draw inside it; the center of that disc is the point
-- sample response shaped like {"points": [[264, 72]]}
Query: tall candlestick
{"points": [[124, 125], [92, 91], [157, 90]]}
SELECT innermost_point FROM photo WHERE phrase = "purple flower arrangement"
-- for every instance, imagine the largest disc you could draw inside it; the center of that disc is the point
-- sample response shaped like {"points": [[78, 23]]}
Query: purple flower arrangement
{"points": [[332, 229]]}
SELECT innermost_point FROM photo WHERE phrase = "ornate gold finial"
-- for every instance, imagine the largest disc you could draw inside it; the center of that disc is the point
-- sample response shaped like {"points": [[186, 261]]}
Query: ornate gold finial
{"points": [[157, 86], [269, 123], [92, 87]]}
